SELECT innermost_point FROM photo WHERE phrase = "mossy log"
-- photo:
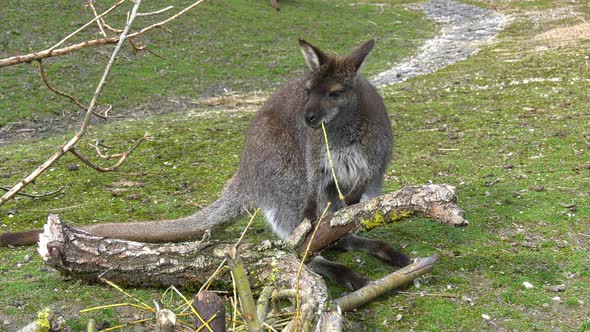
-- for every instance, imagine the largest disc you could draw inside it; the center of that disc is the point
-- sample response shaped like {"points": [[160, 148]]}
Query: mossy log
{"points": [[81, 255]]}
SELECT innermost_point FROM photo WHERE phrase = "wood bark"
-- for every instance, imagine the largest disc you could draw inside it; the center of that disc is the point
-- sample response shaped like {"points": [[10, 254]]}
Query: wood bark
{"points": [[209, 304], [79, 254], [434, 201]]}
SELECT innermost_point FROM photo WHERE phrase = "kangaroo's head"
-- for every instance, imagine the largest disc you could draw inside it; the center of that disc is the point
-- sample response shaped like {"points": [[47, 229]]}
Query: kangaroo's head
{"points": [[331, 88]]}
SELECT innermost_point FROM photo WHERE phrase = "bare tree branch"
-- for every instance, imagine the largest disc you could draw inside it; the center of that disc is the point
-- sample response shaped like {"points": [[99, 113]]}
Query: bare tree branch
{"points": [[85, 26], [90, 110], [54, 51], [61, 93], [50, 193], [122, 156], [97, 18], [156, 12], [70, 145]]}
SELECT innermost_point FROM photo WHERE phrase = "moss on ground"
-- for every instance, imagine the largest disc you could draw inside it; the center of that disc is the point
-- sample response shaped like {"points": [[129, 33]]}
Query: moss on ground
{"points": [[219, 46], [508, 127]]}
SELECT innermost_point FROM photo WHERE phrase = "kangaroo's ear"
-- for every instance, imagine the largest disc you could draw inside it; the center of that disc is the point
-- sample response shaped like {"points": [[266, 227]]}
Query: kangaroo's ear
{"points": [[359, 53], [313, 56]]}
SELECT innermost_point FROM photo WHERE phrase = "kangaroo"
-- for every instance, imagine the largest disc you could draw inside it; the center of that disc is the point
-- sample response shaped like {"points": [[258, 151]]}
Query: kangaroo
{"points": [[284, 168]]}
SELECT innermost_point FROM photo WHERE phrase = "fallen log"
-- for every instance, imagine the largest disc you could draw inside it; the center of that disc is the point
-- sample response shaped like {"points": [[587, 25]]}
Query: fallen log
{"points": [[434, 201], [81, 255]]}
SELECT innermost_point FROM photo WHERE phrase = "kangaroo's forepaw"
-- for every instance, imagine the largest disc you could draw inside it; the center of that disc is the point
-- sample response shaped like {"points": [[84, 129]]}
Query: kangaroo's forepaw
{"points": [[394, 257]]}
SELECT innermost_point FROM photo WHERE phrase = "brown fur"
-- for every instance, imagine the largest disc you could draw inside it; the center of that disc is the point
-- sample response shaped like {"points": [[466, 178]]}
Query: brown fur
{"points": [[283, 169], [19, 239]]}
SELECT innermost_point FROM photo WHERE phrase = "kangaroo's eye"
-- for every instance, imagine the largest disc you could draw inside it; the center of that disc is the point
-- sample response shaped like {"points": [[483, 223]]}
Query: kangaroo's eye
{"points": [[336, 94]]}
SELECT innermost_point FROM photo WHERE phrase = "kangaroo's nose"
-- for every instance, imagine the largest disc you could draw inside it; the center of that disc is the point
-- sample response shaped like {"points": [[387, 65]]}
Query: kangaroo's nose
{"points": [[310, 117]]}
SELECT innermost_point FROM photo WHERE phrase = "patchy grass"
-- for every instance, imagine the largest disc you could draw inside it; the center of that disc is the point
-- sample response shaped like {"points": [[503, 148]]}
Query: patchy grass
{"points": [[508, 127], [236, 45]]}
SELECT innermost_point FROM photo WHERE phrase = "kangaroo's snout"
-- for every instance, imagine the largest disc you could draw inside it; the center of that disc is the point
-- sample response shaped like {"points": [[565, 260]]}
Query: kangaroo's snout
{"points": [[312, 119]]}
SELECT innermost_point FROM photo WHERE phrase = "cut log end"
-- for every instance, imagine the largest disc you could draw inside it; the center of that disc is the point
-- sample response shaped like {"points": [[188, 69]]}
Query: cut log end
{"points": [[85, 256]]}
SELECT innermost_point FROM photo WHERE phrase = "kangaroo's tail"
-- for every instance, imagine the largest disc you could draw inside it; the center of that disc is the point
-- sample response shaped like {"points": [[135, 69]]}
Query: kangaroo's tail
{"points": [[230, 206]]}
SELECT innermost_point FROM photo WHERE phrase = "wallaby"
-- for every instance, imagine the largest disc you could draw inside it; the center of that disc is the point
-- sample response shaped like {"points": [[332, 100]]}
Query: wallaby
{"points": [[284, 169]]}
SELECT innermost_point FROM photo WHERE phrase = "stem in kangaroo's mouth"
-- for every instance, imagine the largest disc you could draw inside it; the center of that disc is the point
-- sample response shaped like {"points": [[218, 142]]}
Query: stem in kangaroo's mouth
{"points": [[340, 196]]}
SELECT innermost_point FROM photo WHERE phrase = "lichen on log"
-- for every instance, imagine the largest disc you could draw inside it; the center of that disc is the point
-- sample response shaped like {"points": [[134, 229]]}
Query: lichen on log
{"points": [[79, 254]]}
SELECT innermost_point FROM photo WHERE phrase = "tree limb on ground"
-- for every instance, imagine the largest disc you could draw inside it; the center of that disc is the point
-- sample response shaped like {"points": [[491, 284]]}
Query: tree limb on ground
{"points": [[81, 255]]}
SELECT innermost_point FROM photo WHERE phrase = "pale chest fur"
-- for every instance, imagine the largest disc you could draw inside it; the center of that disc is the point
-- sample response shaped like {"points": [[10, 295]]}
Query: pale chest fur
{"points": [[350, 163]]}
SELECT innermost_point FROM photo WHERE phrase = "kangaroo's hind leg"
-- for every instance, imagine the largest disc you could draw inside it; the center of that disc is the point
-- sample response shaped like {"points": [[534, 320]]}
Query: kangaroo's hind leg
{"points": [[377, 248], [337, 273]]}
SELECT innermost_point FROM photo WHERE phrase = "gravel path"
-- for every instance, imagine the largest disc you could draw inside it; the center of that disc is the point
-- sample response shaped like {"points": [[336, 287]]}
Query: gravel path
{"points": [[463, 28]]}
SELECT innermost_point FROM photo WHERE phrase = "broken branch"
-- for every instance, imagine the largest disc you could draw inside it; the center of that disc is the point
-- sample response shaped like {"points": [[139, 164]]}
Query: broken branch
{"points": [[54, 51], [392, 281], [70, 145], [437, 202], [122, 156]]}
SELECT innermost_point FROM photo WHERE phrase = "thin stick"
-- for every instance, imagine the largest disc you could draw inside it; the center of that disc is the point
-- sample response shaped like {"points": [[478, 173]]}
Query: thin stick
{"points": [[84, 26], [110, 27], [61, 93], [50, 87], [84, 126], [137, 47], [156, 12], [376, 288], [171, 18], [91, 5], [235, 302], [104, 156], [36, 196], [115, 166], [452, 296], [340, 196]]}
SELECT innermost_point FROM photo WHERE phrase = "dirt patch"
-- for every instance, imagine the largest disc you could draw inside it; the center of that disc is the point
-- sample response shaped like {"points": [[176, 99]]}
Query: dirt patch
{"points": [[564, 36], [539, 17], [234, 100], [464, 28], [68, 122], [52, 125]]}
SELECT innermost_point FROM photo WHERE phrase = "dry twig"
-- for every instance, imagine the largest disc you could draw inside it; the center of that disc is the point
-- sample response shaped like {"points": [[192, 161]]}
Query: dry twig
{"points": [[54, 51], [124, 35], [51, 193], [71, 144], [122, 156]]}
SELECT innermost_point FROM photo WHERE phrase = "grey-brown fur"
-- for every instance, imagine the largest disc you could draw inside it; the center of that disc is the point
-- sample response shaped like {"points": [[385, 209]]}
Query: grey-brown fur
{"points": [[284, 168]]}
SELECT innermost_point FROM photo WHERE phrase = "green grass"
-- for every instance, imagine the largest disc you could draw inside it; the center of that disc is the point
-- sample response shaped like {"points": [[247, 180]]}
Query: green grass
{"points": [[510, 147], [236, 45]]}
